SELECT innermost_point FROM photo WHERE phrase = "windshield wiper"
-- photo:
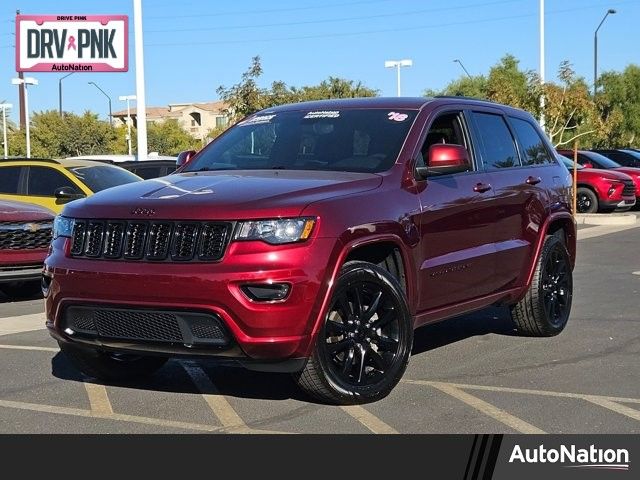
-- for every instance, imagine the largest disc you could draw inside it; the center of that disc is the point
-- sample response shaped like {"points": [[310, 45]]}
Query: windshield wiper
{"points": [[278, 167]]}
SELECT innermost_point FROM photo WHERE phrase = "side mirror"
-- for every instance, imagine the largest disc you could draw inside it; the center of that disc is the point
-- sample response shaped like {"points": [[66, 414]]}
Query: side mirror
{"points": [[66, 194], [445, 159], [184, 158], [587, 165]]}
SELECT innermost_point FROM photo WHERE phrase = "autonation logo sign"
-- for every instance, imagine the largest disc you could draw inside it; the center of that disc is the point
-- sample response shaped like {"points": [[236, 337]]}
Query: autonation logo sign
{"points": [[574, 457]]}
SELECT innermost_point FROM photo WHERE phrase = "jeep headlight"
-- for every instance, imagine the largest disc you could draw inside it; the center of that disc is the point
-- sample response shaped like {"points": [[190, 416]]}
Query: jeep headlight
{"points": [[62, 227], [282, 230]]}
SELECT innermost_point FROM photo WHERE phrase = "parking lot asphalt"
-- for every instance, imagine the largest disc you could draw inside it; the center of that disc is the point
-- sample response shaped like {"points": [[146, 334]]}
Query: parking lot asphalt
{"points": [[471, 374]]}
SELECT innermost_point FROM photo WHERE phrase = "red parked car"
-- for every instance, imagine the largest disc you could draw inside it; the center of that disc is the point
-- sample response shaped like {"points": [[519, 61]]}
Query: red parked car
{"points": [[603, 186], [25, 234], [589, 159], [314, 238]]}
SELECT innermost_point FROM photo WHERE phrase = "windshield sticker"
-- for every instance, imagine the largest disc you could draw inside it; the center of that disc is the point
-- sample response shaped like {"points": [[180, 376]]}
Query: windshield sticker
{"points": [[323, 114], [397, 117], [257, 120]]}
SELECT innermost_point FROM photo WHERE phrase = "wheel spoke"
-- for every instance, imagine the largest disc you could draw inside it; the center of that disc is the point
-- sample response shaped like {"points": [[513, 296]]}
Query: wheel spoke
{"points": [[373, 307], [345, 307], [386, 344], [339, 346], [377, 360], [348, 361], [357, 307], [382, 321], [362, 354], [336, 327]]}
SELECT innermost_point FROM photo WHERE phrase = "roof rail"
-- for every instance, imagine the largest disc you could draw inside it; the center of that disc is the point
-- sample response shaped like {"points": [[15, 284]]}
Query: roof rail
{"points": [[464, 97], [32, 159]]}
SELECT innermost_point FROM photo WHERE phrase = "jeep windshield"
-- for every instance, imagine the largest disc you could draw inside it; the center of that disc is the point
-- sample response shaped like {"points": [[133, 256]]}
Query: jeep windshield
{"points": [[350, 140]]}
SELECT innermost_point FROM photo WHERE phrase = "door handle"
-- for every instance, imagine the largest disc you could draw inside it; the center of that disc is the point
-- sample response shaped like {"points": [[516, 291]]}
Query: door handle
{"points": [[533, 180], [482, 187]]}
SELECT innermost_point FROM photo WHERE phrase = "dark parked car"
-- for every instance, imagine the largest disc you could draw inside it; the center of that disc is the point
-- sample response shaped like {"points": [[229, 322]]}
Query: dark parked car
{"points": [[25, 234], [601, 190], [314, 238], [590, 159], [626, 157]]}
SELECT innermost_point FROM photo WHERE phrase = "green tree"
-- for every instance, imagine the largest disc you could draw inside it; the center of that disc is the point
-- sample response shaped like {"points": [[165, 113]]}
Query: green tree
{"points": [[168, 138], [247, 97], [619, 98]]}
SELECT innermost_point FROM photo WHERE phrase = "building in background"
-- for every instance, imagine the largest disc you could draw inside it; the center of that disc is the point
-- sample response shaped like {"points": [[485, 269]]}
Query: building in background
{"points": [[195, 118]]}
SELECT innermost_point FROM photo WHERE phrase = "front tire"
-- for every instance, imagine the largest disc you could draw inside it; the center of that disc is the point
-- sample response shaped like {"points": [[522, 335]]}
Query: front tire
{"points": [[364, 344], [109, 366], [544, 310], [586, 200]]}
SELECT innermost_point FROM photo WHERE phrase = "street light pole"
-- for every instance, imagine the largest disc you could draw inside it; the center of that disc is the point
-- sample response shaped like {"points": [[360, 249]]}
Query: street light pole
{"points": [[460, 63], [398, 64], [4, 107], [141, 104], [542, 99], [611, 11], [60, 91], [128, 98], [108, 98], [26, 81]]}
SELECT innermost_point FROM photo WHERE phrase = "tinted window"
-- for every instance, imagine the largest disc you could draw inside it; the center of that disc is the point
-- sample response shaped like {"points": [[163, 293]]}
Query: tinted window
{"points": [[597, 160], [101, 177], [351, 140], [569, 163], [496, 143], [446, 128], [9, 177], [620, 157], [45, 181], [533, 150], [148, 172]]}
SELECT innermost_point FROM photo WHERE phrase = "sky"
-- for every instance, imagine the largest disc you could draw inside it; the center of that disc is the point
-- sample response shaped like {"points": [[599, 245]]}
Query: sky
{"points": [[194, 46]]}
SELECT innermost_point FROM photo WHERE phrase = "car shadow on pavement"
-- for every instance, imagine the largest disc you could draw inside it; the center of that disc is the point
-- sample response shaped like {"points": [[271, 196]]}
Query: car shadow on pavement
{"points": [[235, 381], [496, 320]]}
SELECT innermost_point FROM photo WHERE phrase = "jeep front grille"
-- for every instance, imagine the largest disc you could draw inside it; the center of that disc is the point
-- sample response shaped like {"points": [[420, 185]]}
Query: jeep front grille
{"points": [[150, 241]]}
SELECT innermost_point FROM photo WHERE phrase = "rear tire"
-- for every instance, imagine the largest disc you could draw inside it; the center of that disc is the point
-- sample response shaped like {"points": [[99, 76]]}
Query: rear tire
{"points": [[364, 344], [111, 366], [587, 200], [544, 310]]}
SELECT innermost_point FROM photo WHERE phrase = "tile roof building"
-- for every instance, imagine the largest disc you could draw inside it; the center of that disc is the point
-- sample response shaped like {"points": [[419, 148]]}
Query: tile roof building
{"points": [[195, 118]]}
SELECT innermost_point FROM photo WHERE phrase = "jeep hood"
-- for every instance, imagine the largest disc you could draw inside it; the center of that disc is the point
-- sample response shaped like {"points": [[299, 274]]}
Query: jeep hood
{"points": [[222, 195]]}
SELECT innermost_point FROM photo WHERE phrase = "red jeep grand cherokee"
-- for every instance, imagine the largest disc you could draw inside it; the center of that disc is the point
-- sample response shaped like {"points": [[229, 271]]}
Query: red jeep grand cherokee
{"points": [[25, 234], [314, 238]]}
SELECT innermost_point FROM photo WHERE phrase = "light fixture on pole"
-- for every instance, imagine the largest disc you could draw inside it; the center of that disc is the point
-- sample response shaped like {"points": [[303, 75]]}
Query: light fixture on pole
{"points": [[398, 64], [458, 61], [108, 98], [611, 11], [60, 91], [5, 107], [128, 99], [26, 81]]}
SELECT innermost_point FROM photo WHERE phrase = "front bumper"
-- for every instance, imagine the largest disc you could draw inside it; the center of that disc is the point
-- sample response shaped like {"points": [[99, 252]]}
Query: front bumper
{"points": [[22, 273], [624, 203], [259, 332]]}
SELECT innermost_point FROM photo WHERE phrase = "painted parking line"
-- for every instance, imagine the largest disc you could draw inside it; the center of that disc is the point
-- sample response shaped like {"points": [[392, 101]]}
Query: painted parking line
{"points": [[98, 398], [600, 230], [119, 417], [614, 406], [369, 420], [22, 323], [30, 347], [221, 408], [545, 393], [498, 414]]}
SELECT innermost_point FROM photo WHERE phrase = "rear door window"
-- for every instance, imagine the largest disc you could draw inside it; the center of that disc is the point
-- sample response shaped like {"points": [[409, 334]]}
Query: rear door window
{"points": [[9, 180], [44, 181], [532, 146], [497, 148]]}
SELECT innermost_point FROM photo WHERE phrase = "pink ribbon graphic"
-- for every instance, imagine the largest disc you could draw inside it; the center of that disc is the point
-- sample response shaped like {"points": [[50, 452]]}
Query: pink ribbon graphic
{"points": [[72, 43]]}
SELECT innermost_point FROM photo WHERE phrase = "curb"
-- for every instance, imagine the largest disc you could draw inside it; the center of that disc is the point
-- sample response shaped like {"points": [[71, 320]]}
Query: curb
{"points": [[606, 219]]}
